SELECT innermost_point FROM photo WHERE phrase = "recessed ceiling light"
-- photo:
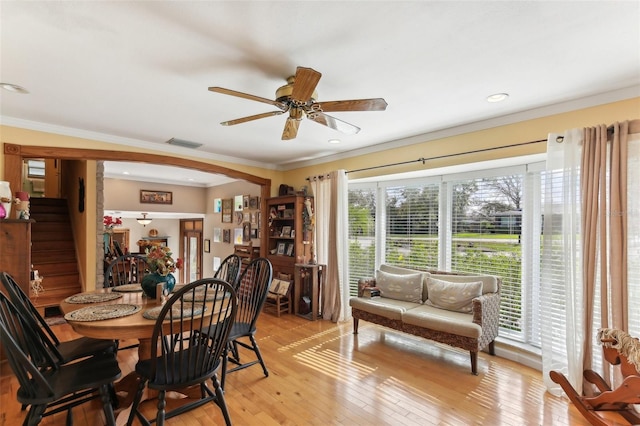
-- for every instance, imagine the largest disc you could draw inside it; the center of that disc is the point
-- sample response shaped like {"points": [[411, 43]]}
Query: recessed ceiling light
{"points": [[497, 97], [14, 88], [334, 141]]}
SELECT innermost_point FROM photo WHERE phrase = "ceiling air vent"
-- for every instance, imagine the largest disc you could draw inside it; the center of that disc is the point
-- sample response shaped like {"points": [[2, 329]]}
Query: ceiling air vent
{"points": [[184, 143]]}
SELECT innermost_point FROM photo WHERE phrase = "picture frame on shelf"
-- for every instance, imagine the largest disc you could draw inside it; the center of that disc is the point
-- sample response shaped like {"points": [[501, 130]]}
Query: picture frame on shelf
{"points": [[227, 210], [281, 249], [290, 249], [286, 231]]}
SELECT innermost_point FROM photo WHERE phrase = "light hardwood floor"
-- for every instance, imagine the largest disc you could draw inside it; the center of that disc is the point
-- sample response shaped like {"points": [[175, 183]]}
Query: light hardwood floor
{"points": [[323, 374]]}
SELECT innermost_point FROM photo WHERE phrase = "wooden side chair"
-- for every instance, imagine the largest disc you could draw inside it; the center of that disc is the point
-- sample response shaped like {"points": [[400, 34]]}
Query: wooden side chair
{"points": [[619, 348], [279, 295]]}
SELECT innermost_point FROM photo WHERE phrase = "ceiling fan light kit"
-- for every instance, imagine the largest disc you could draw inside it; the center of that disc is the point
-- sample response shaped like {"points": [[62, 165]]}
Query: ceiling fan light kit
{"points": [[298, 98]]}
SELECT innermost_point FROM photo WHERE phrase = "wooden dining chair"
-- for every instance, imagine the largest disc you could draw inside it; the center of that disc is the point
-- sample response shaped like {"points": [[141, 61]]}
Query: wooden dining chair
{"points": [[66, 351], [229, 270], [252, 292], [126, 269], [46, 386], [194, 359]]}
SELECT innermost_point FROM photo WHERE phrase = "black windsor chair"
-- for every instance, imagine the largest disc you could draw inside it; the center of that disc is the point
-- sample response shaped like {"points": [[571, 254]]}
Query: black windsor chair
{"points": [[45, 385], [64, 352], [229, 270], [196, 357], [252, 292], [126, 269]]}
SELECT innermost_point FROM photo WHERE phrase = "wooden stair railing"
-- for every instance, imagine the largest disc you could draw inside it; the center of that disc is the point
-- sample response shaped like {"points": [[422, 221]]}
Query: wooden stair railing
{"points": [[53, 251]]}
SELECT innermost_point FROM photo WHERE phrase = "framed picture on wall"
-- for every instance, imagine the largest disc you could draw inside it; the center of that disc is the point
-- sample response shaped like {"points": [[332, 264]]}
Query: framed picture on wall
{"points": [[226, 235], [217, 205], [227, 210], [207, 245], [217, 235], [238, 203], [237, 236], [156, 197], [246, 232], [254, 203], [245, 202]]}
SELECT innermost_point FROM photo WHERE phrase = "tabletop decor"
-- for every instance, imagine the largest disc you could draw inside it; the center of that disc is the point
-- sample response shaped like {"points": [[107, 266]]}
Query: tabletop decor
{"points": [[102, 312], [92, 298], [160, 264], [176, 312], [111, 222], [127, 288]]}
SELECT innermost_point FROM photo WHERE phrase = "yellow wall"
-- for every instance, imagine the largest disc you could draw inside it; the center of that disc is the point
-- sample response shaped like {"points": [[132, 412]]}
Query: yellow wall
{"points": [[525, 131]]}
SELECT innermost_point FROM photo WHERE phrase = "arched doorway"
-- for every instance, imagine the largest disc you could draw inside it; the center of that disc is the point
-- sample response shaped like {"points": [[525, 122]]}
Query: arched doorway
{"points": [[15, 154]]}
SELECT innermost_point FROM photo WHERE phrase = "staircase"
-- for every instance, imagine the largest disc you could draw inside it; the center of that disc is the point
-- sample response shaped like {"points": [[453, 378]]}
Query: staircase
{"points": [[53, 251]]}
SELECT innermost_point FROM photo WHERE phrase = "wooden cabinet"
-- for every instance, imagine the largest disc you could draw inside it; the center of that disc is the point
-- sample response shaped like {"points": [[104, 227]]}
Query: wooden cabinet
{"points": [[289, 240], [15, 250]]}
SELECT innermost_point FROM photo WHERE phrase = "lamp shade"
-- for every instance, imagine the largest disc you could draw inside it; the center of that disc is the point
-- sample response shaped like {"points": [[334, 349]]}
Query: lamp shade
{"points": [[144, 221]]}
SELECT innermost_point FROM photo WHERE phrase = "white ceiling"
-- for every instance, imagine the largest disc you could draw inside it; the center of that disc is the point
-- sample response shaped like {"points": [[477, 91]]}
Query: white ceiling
{"points": [[137, 72]]}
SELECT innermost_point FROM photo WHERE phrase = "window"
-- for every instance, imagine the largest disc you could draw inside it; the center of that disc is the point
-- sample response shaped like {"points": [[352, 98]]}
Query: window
{"points": [[362, 231], [473, 222], [35, 168]]}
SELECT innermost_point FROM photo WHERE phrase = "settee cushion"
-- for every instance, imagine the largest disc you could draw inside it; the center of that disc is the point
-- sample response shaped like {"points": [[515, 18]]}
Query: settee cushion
{"points": [[489, 282], [389, 308], [453, 296], [457, 323], [406, 271], [407, 287]]}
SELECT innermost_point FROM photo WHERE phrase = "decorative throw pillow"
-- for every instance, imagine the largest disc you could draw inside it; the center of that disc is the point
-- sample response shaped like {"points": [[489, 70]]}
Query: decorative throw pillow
{"points": [[453, 296], [407, 287]]}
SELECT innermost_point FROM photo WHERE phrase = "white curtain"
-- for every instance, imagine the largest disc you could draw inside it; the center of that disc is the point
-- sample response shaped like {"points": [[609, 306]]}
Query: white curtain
{"points": [[562, 346], [330, 241], [590, 272]]}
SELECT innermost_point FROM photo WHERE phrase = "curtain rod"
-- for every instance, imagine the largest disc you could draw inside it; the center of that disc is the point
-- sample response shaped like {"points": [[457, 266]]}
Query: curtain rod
{"points": [[424, 160]]}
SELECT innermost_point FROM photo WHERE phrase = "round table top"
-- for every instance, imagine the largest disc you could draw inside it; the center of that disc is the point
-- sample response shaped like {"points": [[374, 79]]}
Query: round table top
{"points": [[128, 327]]}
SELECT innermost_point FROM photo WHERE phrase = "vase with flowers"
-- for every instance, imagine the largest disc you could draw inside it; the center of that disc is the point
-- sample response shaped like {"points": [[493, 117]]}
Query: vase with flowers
{"points": [[111, 222], [160, 265]]}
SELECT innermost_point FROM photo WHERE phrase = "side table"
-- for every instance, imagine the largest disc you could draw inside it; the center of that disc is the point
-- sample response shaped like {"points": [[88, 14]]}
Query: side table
{"points": [[308, 282]]}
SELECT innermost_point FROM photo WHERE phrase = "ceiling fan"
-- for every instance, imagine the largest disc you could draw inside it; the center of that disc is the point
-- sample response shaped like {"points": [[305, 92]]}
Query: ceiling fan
{"points": [[298, 98]]}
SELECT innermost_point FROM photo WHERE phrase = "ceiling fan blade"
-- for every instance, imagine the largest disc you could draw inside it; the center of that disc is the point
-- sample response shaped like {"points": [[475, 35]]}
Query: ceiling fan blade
{"points": [[334, 123], [290, 129], [251, 118], [247, 96], [376, 104], [304, 85]]}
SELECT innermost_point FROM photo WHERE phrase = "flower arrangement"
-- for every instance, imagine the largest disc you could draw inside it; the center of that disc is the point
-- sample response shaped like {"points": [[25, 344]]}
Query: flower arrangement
{"points": [[160, 261], [110, 222]]}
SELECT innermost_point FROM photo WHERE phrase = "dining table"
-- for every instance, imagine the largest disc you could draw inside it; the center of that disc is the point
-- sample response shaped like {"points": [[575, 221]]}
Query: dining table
{"points": [[120, 313]]}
